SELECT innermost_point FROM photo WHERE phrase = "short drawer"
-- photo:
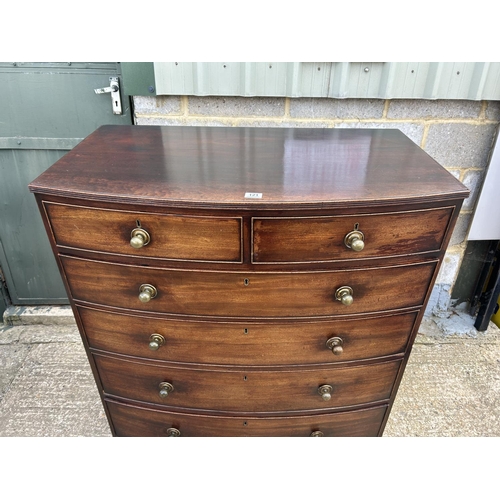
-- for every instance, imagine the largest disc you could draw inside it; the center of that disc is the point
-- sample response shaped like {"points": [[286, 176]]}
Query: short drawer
{"points": [[251, 343], [261, 391], [244, 295], [130, 421], [175, 237], [323, 239]]}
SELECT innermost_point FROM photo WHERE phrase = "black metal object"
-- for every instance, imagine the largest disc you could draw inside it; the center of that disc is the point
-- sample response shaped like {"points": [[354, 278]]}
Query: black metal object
{"points": [[488, 289], [474, 271]]}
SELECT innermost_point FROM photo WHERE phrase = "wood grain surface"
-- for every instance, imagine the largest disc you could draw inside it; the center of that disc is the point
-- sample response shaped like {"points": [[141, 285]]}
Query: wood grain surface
{"points": [[178, 237], [251, 390], [321, 239], [251, 343], [227, 294], [217, 166], [129, 420]]}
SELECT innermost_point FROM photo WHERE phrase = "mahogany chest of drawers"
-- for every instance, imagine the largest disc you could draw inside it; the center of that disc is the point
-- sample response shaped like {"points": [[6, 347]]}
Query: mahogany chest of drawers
{"points": [[248, 281]]}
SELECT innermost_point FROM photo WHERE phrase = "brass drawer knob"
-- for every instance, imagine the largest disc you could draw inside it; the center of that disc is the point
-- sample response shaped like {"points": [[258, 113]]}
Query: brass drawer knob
{"points": [[345, 295], [139, 238], [173, 432], [147, 292], [156, 341], [335, 345], [317, 434], [355, 240], [325, 391], [165, 389]]}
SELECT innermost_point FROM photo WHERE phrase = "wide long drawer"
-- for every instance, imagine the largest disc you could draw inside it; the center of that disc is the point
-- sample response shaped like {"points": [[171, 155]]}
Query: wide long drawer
{"points": [[317, 239], [176, 237], [238, 294], [251, 390], [130, 420], [250, 343]]}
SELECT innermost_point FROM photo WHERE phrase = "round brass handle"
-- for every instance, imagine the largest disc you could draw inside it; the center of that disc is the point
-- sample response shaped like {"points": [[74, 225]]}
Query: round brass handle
{"points": [[345, 295], [147, 292], [316, 434], [156, 341], [335, 344], [165, 389], [139, 238], [355, 240], [325, 391], [173, 432]]}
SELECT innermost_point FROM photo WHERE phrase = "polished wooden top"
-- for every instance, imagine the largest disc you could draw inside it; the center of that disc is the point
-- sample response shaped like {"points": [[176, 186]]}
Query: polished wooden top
{"points": [[216, 166]]}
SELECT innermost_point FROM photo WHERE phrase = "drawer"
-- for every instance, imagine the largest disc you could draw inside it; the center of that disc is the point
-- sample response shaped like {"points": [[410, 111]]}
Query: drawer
{"points": [[255, 343], [322, 239], [130, 420], [175, 237], [238, 294], [251, 390]]}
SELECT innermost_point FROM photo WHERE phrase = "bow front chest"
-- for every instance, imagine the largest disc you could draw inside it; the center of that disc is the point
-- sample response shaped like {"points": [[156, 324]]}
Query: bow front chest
{"points": [[248, 281]]}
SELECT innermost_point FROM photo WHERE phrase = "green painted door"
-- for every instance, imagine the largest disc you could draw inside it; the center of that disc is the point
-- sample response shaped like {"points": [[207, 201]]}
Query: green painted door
{"points": [[45, 110]]}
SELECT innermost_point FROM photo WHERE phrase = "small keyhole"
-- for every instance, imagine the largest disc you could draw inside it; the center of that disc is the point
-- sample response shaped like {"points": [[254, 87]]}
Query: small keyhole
{"points": [[245, 424], [138, 222], [245, 331], [356, 226], [116, 104], [245, 378], [246, 281]]}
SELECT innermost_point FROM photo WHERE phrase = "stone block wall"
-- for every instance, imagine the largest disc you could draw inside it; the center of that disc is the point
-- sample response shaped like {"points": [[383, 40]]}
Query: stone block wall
{"points": [[458, 134]]}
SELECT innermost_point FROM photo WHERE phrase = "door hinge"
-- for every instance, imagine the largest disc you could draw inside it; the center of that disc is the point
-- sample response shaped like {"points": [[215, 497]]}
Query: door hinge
{"points": [[114, 89]]}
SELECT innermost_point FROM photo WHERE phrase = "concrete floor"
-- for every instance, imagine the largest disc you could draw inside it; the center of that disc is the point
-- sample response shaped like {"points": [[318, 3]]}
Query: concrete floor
{"points": [[451, 386]]}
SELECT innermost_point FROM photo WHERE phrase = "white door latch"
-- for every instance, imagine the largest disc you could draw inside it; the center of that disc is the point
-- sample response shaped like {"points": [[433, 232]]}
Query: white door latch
{"points": [[114, 89]]}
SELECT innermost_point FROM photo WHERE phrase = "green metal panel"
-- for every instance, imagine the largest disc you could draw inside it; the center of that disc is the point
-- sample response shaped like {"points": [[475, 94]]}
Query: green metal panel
{"points": [[138, 78], [375, 80], [245, 79], [46, 109], [30, 270], [53, 101]]}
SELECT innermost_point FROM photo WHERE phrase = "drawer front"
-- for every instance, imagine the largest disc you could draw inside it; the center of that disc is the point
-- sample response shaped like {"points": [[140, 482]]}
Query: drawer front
{"points": [[247, 391], [237, 294], [176, 237], [131, 421], [258, 344], [322, 239]]}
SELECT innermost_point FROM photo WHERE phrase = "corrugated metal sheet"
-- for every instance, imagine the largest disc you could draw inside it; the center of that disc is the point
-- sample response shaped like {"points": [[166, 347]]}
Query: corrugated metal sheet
{"points": [[376, 80]]}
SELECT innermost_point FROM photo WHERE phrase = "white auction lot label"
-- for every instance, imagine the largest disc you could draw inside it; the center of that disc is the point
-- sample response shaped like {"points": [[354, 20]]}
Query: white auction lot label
{"points": [[253, 195]]}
